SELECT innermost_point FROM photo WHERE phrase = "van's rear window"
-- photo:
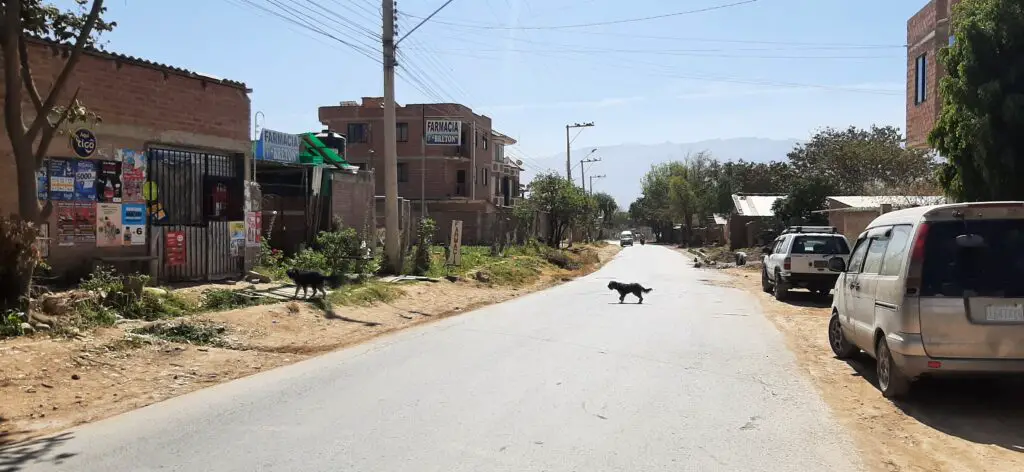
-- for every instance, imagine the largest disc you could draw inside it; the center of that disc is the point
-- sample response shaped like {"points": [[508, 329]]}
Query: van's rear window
{"points": [[994, 270], [819, 245]]}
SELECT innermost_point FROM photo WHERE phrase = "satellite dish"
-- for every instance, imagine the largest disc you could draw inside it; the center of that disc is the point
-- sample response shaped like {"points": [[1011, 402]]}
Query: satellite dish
{"points": [[519, 162]]}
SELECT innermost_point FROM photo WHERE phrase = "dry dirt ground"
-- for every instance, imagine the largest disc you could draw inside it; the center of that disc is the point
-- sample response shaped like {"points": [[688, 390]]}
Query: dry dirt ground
{"points": [[47, 385], [949, 425]]}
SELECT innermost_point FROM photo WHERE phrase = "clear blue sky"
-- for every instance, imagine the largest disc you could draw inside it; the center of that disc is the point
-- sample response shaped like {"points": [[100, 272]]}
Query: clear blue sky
{"points": [[771, 68]]}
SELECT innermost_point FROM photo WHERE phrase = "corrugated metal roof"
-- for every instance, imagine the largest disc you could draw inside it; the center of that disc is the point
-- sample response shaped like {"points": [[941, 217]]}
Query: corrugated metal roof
{"points": [[721, 219], [899, 201], [755, 205], [142, 62]]}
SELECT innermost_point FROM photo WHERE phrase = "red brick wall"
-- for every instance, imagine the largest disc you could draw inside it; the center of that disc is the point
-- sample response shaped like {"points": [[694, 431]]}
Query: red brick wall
{"points": [[927, 33], [139, 105], [442, 162], [352, 201]]}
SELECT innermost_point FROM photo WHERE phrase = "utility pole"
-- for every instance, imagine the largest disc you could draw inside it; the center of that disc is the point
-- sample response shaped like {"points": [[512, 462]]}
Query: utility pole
{"points": [[568, 151], [592, 177], [391, 235], [584, 162]]}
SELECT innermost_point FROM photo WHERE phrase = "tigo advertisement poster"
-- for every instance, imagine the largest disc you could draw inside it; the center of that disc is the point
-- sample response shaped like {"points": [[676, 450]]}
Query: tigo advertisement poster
{"points": [[65, 223], [62, 179], [108, 182], [85, 181], [108, 225], [85, 223], [133, 174], [133, 217]]}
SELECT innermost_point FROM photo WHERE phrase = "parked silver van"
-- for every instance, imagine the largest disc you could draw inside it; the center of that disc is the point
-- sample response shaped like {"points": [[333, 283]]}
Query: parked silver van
{"points": [[936, 290]]}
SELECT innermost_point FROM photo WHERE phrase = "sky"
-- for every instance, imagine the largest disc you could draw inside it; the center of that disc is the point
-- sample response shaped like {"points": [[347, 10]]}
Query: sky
{"points": [[754, 68]]}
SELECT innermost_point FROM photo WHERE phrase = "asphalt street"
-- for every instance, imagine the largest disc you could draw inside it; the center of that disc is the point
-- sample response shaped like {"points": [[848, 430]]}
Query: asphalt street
{"points": [[566, 379]]}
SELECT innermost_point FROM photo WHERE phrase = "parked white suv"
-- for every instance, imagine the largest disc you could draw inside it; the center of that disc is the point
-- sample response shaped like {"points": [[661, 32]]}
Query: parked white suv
{"points": [[799, 258]]}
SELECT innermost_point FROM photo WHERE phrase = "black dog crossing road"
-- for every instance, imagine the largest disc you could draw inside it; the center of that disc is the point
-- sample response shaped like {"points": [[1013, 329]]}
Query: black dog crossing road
{"points": [[562, 380]]}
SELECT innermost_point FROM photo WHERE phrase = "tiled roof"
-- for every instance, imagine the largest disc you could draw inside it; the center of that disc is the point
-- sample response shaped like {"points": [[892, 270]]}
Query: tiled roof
{"points": [[144, 63]]}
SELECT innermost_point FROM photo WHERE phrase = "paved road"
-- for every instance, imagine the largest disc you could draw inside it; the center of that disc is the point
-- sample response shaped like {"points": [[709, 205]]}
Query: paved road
{"points": [[562, 380]]}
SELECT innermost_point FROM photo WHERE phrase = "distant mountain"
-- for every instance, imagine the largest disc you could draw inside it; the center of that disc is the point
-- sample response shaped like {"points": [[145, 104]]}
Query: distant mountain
{"points": [[625, 164]]}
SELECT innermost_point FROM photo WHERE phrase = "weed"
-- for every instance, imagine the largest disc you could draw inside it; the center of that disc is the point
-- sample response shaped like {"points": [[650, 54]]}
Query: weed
{"points": [[201, 333], [365, 294], [223, 299], [422, 260], [10, 325]]}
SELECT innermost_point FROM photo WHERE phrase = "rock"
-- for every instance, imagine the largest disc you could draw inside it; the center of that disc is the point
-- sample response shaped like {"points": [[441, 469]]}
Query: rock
{"points": [[27, 328], [75, 377], [55, 305], [42, 327], [482, 276], [30, 390], [253, 275], [73, 331], [154, 291], [46, 385], [121, 321]]}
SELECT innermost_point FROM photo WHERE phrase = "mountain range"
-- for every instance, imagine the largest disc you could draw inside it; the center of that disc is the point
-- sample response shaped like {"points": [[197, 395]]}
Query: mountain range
{"points": [[624, 165]]}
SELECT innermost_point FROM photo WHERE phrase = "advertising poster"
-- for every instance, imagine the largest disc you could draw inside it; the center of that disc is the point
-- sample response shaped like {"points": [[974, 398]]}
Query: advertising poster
{"points": [[174, 248], [133, 175], [65, 223], [85, 223], [62, 180], [42, 183], [253, 228], [237, 231], [133, 218], [108, 225], [108, 182], [455, 255], [85, 181]]}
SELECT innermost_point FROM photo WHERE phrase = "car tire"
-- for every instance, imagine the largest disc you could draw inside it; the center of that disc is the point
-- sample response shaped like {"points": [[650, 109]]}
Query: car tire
{"points": [[841, 347], [766, 285], [781, 292], [893, 383]]}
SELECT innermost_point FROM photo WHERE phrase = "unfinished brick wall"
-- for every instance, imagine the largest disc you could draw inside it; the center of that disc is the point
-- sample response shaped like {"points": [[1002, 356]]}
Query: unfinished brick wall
{"points": [[928, 32], [141, 104]]}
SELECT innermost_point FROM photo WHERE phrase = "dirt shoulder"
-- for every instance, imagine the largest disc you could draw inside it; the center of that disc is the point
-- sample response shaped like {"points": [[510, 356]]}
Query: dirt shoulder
{"points": [[950, 425], [51, 384]]}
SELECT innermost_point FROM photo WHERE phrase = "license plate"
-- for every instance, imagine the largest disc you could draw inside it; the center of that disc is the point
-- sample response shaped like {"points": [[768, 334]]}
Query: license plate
{"points": [[1004, 313], [820, 264]]}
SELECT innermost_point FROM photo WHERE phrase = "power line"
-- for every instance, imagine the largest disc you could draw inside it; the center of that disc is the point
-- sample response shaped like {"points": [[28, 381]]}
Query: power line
{"points": [[600, 23], [414, 28], [308, 27]]}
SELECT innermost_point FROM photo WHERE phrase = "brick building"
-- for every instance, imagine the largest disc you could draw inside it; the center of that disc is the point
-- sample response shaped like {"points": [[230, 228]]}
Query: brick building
{"points": [[179, 135], [928, 31], [473, 182]]}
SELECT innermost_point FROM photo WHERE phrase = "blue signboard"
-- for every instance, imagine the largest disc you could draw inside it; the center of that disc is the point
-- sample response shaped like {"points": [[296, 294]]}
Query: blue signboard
{"points": [[83, 143], [62, 179], [276, 146], [85, 181]]}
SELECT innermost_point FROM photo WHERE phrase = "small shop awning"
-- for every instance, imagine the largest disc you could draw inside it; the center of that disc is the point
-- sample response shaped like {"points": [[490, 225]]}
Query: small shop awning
{"points": [[315, 152]]}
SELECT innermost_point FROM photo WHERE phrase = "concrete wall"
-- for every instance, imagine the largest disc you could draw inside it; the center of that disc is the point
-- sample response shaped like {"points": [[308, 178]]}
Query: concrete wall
{"points": [[352, 201], [141, 105], [852, 223]]}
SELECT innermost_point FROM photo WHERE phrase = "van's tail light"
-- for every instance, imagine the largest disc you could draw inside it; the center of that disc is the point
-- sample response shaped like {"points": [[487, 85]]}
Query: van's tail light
{"points": [[916, 268], [787, 263]]}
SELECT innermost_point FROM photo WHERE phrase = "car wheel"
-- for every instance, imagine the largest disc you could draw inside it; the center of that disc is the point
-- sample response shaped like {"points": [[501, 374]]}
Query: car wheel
{"points": [[893, 383], [841, 346], [766, 284], [781, 292]]}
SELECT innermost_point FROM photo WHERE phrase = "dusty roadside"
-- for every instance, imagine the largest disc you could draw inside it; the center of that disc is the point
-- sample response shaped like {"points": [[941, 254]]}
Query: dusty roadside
{"points": [[50, 384], [948, 426]]}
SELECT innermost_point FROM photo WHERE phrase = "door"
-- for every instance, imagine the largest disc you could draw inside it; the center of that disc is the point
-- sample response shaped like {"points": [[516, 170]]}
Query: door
{"points": [[772, 259], [972, 298], [845, 289], [862, 316]]}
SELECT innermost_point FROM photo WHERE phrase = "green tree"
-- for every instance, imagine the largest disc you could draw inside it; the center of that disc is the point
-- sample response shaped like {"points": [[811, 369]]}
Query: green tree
{"points": [[683, 203], [565, 205], [31, 133], [982, 94], [870, 161], [749, 177], [799, 206], [607, 207]]}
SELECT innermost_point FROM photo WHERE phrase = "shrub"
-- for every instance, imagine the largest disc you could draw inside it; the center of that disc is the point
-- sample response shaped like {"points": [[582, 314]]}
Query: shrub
{"points": [[308, 259], [202, 333], [10, 325], [222, 299], [344, 251], [424, 236]]}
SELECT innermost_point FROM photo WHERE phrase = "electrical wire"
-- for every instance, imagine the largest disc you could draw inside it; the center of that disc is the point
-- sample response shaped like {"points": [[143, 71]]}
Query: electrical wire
{"points": [[600, 23]]}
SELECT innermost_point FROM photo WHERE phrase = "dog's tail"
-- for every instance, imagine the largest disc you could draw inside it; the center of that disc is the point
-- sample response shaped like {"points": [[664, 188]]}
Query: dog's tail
{"points": [[335, 280], [647, 290]]}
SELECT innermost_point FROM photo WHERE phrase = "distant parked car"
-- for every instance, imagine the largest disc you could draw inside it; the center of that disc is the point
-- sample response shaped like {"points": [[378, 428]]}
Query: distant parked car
{"points": [[934, 291], [799, 258], [626, 238]]}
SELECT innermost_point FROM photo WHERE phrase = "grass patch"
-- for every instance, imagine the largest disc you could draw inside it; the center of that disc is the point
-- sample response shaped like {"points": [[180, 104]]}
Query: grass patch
{"points": [[513, 271], [364, 294], [200, 333], [223, 299]]}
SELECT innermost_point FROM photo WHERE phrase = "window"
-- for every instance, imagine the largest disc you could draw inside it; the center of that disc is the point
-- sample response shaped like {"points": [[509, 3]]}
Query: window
{"points": [[892, 261], [485, 142], [403, 171], [921, 79], [820, 245], [484, 175], [402, 132], [996, 269], [358, 132], [857, 259], [460, 183], [873, 261]]}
